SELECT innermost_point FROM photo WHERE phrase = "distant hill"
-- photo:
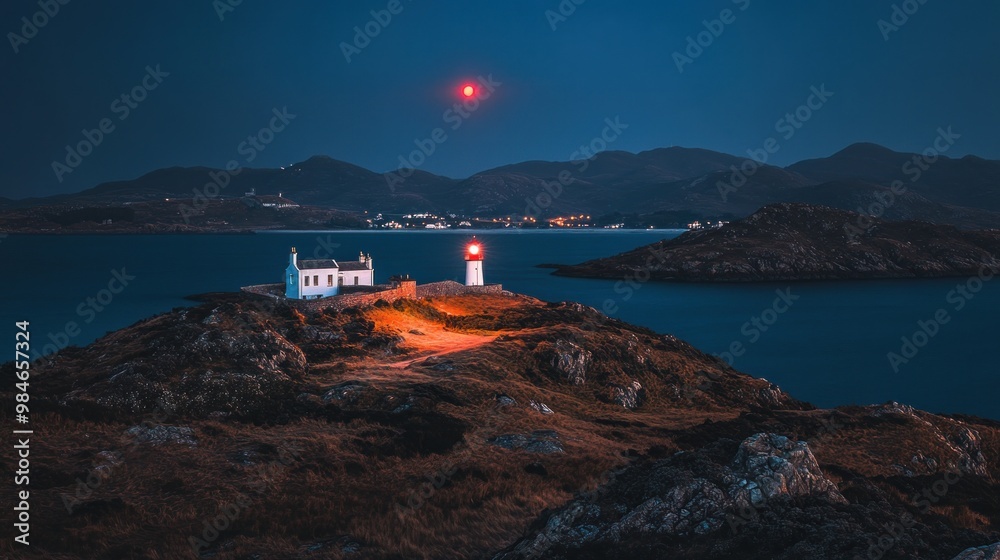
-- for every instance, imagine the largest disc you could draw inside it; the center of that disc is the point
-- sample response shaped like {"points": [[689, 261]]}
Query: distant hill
{"points": [[684, 181], [793, 242], [318, 181], [969, 181]]}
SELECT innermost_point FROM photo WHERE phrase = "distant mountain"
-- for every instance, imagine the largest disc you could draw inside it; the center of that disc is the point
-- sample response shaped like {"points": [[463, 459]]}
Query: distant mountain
{"points": [[614, 180], [318, 181], [969, 181], [963, 192], [794, 242], [857, 161]]}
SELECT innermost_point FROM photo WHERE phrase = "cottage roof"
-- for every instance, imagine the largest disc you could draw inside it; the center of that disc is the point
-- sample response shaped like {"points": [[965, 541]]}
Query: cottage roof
{"points": [[353, 265], [312, 264]]}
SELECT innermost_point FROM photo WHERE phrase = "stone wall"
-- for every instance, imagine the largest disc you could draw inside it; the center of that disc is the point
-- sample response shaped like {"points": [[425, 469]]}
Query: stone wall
{"points": [[266, 290], [404, 289], [452, 288]]}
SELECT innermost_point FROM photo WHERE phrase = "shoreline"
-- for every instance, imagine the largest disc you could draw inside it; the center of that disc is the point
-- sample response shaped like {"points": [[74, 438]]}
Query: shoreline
{"points": [[372, 230], [558, 271]]}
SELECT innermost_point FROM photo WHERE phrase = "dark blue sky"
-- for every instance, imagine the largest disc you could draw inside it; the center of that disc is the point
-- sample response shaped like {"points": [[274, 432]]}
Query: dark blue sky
{"points": [[605, 60]]}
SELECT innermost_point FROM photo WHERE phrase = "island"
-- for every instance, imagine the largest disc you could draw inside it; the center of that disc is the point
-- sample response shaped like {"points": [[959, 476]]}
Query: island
{"points": [[791, 242], [473, 425]]}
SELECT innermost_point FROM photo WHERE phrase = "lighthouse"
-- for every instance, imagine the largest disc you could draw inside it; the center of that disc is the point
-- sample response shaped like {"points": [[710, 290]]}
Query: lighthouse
{"points": [[474, 264]]}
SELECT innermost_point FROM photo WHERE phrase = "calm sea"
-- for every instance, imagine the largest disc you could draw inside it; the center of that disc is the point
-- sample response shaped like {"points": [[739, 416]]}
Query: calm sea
{"points": [[828, 346]]}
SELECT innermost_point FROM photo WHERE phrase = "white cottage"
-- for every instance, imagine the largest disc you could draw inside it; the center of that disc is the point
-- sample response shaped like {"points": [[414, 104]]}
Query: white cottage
{"points": [[317, 278]]}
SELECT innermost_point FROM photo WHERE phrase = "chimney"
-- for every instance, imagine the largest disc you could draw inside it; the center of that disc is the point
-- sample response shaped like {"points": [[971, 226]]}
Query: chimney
{"points": [[368, 260], [294, 258]]}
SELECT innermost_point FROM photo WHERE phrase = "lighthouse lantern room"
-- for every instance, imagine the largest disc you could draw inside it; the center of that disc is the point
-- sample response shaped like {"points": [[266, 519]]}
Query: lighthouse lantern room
{"points": [[474, 264]]}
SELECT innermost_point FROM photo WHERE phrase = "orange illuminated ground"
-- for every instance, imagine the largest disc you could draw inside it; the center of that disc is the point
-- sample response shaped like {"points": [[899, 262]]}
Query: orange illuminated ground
{"points": [[476, 305], [424, 338]]}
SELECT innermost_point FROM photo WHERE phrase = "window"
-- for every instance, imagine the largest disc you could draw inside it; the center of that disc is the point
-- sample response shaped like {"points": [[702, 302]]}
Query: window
{"points": [[316, 280], [291, 278], [355, 280], [340, 279], [329, 280], [307, 280]]}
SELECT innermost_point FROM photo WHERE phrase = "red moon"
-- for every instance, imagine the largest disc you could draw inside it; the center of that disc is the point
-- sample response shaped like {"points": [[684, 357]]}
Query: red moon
{"points": [[468, 91]]}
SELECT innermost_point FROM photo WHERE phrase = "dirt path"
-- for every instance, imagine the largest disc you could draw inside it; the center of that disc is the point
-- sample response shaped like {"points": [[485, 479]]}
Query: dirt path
{"points": [[426, 338], [457, 346]]}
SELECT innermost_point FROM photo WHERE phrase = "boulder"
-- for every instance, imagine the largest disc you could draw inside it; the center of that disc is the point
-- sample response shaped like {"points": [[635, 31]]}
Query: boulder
{"points": [[571, 361], [159, 435], [783, 467], [538, 441], [540, 407]]}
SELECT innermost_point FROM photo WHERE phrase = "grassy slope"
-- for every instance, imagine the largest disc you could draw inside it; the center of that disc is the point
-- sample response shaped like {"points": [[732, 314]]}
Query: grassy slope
{"points": [[322, 475]]}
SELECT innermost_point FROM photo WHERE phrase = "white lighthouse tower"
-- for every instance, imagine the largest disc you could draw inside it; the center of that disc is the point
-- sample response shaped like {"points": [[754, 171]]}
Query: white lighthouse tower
{"points": [[474, 264]]}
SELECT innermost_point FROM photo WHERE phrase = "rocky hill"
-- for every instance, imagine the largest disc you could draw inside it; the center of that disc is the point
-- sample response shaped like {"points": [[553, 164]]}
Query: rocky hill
{"points": [[162, 216], [489, 426], [794, 242]]}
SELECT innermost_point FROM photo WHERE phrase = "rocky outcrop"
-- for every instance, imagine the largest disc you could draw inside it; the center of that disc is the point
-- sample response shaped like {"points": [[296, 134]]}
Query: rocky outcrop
{"points": [[685, 496], [780, 467], [630, 395], [570, 361], [540, 407], [538, 441], [958, 447], [159, 435], [792, 242], [991, 552]]}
